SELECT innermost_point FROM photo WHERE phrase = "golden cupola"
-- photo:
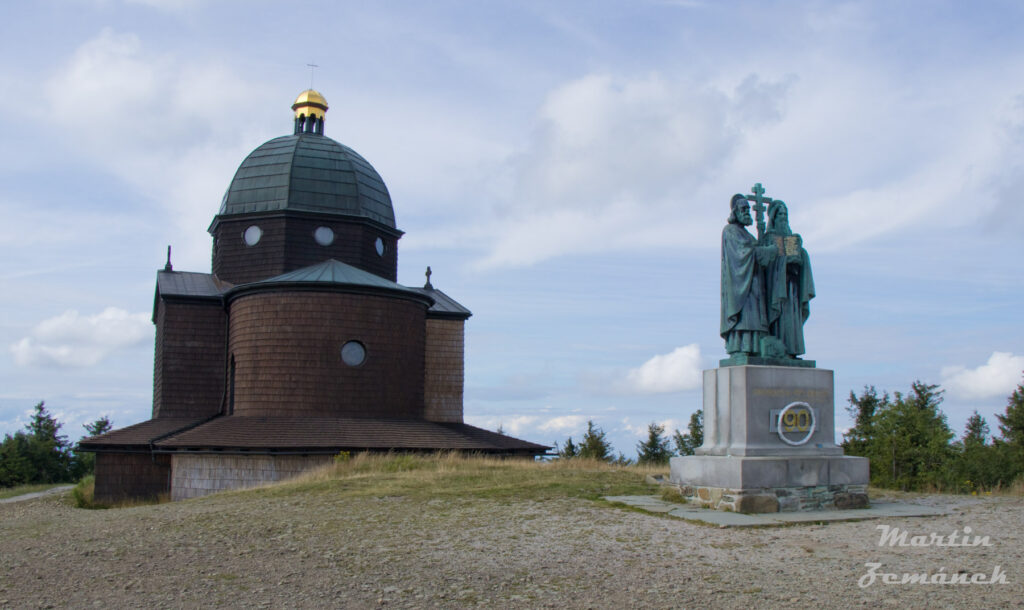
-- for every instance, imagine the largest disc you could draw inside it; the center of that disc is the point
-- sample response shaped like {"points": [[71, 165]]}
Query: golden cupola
{"points": [[310, 110]]}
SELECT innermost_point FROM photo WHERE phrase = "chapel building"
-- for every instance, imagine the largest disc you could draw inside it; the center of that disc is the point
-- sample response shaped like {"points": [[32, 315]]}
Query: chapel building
{"points": [[300, 344]]}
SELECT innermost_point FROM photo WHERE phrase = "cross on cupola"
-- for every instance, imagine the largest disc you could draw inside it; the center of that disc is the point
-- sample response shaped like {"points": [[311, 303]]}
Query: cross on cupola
{"points": [[311, 68]]}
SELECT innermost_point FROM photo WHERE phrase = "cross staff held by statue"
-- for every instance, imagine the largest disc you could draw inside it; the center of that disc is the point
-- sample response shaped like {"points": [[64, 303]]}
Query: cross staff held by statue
{"points": [[759, 200]]}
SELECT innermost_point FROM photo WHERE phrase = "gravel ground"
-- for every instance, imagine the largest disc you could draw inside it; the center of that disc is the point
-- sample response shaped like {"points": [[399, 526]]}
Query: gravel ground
{"points": [[319, 550]]}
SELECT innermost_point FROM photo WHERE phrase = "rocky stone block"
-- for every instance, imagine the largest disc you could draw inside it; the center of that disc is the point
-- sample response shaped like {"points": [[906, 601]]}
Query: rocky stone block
{"points": [[757, 504], [789, 504], [851, 500]]}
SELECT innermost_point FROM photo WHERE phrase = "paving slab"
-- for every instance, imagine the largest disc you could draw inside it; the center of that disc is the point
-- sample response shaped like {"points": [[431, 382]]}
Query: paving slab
{"points": [[721, 518]]}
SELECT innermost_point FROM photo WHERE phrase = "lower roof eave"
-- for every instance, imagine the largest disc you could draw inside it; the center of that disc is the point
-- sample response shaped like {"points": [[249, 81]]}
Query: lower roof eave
{"points": [[337, 450], [91, 448]]}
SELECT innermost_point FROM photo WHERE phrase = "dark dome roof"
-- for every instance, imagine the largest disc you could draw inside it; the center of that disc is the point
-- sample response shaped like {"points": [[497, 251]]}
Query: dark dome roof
{"points": [[310, 173]]}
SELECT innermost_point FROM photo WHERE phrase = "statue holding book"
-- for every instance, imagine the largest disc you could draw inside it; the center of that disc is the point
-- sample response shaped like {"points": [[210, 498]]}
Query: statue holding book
{"points": [[789, 283], [766, 285]]}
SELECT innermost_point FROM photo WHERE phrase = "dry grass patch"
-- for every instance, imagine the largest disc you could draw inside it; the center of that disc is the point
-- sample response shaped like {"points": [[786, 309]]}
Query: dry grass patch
{"points": [[455, 474]]}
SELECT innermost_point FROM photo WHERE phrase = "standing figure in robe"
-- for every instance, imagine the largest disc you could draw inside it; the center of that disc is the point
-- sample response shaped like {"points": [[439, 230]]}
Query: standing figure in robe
{"points": [[744, 321], [788, 281]]}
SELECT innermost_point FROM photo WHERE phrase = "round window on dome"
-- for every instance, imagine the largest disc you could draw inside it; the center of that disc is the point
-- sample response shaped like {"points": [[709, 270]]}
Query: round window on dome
{"points": [[379, 246], [252, 235], [353, 353], [324, 236]]}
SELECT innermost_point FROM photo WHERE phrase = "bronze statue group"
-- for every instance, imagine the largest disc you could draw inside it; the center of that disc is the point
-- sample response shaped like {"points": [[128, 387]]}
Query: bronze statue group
{"points": [[766, 283]]}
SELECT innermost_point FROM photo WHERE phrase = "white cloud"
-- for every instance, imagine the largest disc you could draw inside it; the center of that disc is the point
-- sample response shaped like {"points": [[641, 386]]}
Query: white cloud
{"points": [[640, 431], [602, 139], [513, 425], [563, 423], [173, 129], [677, 371], [612, 158], [998, 377], [72, 340], [634, 162]]}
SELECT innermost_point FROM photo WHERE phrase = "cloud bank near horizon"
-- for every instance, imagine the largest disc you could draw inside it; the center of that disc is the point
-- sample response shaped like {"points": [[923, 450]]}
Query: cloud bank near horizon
{"points": [[74, 340]]}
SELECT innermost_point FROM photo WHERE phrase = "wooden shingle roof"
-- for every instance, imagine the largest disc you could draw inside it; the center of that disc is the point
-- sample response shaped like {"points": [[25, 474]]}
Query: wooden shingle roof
{"points": [[330, 435], [138, 435], [323, 435]]}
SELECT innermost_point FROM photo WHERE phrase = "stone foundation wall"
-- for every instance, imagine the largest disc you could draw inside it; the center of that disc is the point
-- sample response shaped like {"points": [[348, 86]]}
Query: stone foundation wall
{"points": [[778, 499], [203, 474]]}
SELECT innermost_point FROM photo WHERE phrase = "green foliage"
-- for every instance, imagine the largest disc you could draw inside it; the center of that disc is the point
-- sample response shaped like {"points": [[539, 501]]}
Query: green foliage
{"points": [[910, 445], [686, 444], [41, 454], [907, 440], [100, 426], [976, 431], [15, 467], [976, 465], [84, 463], [862, 410], [568, 450], [594, 444], [655, 450], [50, 451], [1011, 427], [622, 460], [82, 493]]}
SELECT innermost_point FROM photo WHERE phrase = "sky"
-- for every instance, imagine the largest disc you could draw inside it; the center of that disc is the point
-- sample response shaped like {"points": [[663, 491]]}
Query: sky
{"points": [[564, 167]]}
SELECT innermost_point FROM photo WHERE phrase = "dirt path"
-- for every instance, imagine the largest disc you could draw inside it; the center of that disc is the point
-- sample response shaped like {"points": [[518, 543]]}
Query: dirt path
{"points": [[322, 550], [37, 494]]}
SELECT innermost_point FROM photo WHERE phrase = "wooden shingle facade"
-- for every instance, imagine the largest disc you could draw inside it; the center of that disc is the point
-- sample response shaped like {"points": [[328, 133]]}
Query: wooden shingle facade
{"points": [[300, 343]]}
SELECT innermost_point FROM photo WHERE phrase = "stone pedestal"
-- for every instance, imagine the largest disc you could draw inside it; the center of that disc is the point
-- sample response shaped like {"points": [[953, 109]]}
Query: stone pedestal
{"points": [[746, 465]]}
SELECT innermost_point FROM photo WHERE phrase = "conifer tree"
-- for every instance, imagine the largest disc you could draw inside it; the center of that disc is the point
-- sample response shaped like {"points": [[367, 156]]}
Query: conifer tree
{"points": [[568, 450], [978, 464], [686, 444], [862, 409], [594, 444], [84, 463], [1011, 427], [15, 468], [976, 431], [655, 450], [37, 454], [49, 452], [909, 445]]}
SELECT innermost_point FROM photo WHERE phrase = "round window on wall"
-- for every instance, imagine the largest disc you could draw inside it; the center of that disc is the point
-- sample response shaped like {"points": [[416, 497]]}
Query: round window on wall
{"points": [[353, 353], [379, 245], [324, 236], [252, 235]]}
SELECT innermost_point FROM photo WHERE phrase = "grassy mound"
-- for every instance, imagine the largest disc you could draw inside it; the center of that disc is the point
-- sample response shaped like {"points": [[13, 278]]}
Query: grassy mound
{"points": [[455, 474]]}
